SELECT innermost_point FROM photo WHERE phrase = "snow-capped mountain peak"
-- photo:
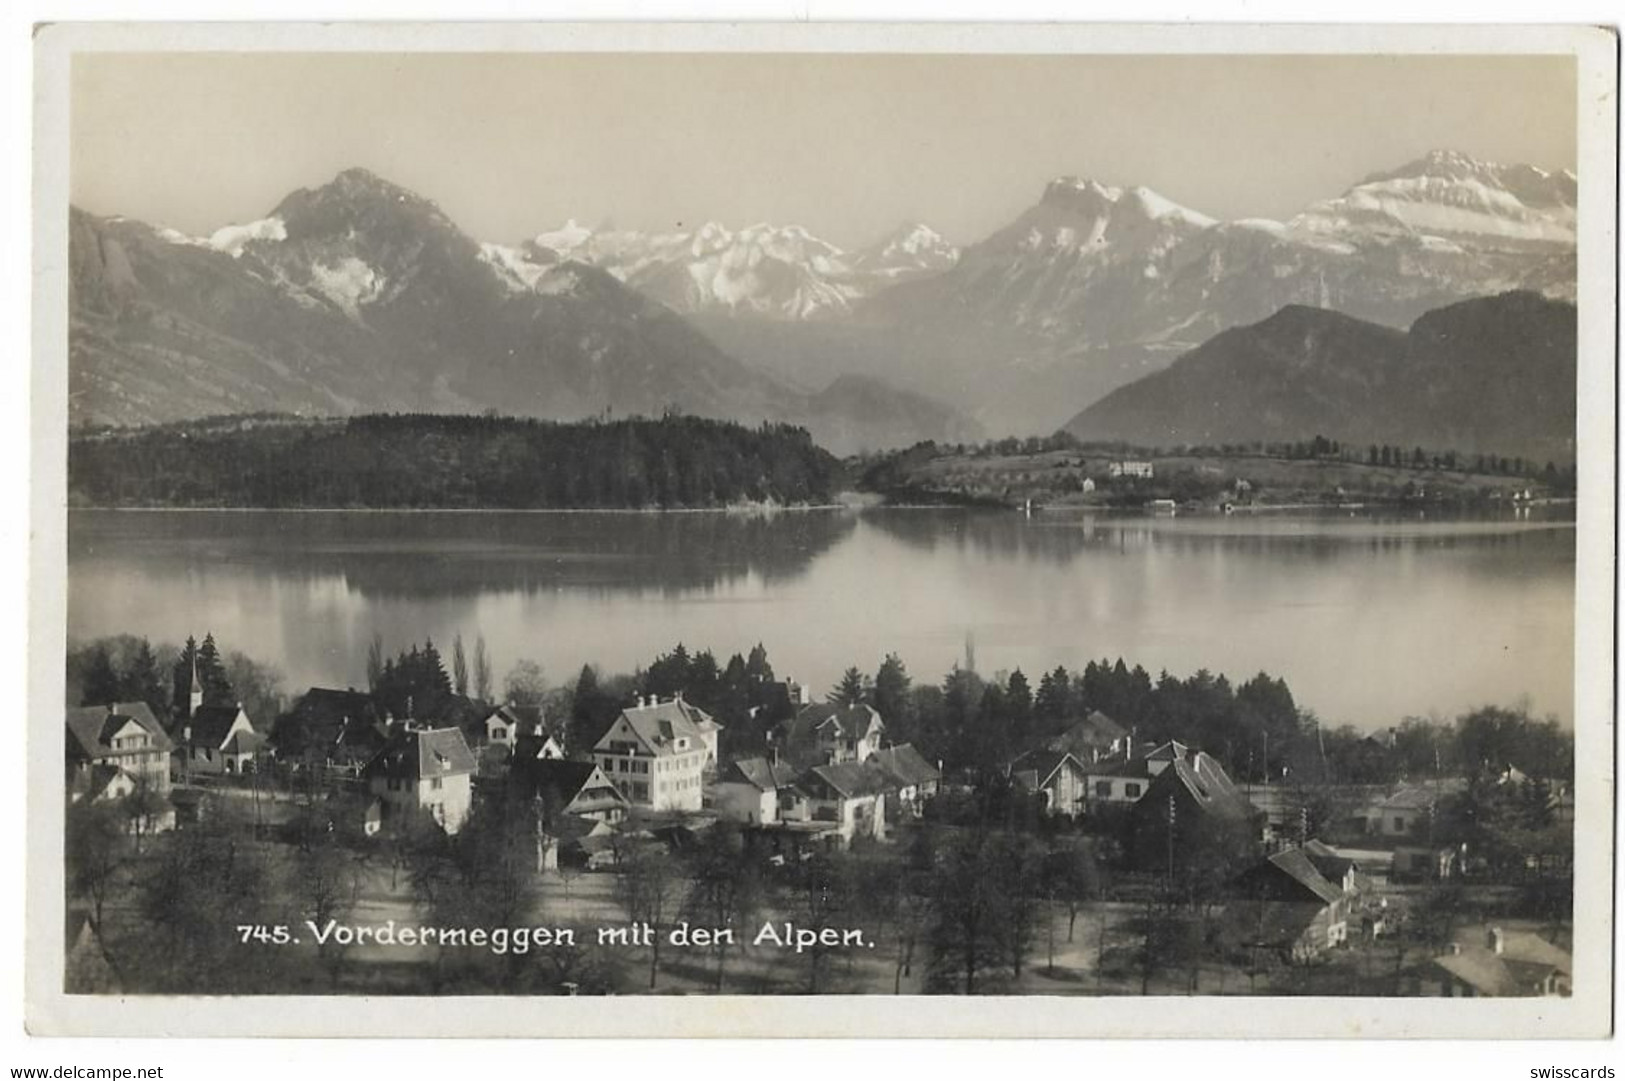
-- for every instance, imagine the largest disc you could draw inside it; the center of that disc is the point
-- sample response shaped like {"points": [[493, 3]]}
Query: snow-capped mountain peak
{"points": [[762, 269], [1451, 196], [565, 239]]}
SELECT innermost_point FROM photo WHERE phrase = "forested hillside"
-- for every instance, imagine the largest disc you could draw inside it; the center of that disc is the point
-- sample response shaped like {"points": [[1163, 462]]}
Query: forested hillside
{"points": [[415, 460]]}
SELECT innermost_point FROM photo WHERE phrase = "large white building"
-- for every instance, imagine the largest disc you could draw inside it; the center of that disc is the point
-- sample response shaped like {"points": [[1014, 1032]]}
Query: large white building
{"points": [[657, 753]]}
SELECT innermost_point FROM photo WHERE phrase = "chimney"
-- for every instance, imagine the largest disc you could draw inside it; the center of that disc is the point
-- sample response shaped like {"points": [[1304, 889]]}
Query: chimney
{"points": [[1495, 940], [1455, 948]]}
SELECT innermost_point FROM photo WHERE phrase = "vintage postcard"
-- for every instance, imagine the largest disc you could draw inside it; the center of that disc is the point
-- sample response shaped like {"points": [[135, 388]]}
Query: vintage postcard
{"points": [[981, 525]]}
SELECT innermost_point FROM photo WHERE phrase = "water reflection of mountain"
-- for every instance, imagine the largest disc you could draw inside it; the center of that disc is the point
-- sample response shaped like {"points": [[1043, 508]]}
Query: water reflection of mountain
{"points": [[1497, 545], [423, 555]]}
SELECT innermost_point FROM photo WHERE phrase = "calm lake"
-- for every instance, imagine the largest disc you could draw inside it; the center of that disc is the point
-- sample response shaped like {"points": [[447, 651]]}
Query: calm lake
{"points": [[1368, 618]]}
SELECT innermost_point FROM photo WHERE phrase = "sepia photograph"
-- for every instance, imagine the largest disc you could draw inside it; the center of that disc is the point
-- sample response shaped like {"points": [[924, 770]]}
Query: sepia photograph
{"points": [[1048, 518]]}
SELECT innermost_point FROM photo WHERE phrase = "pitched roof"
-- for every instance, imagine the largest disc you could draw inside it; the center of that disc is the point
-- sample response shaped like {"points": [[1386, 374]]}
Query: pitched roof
{"points": [[905, 765], [423, 753], [851, 779], [331, 705], [1209, 786], [100, 778], [760, 773], [660, 725], [244, 743], [1171, 751], [1526, 947], [524, 720], [1088, 735], [851, 722], [1277, 924], [210, 724], [1328, 861], [559, 782], [531, 745], [1408, 798], [1295, 864], [1486, 972], [1117, 767], [92, 728], [1035, 768]]}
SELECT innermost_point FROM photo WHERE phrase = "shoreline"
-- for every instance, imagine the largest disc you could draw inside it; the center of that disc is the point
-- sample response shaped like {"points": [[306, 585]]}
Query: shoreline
{"points": [[743, 511]]}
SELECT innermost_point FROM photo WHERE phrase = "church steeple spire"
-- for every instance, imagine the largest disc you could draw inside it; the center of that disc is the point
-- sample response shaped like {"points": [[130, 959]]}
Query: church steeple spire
{"points": [[194, 700]]}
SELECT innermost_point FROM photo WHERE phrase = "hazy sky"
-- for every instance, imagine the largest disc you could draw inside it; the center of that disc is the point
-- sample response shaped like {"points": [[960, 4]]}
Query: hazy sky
{"points": [[849, 146]]}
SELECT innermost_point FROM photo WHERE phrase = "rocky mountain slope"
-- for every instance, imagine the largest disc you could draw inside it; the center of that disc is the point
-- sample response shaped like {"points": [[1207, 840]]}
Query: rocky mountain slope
{"points": [[360, 296], [1096, 285], [1490, 375]]}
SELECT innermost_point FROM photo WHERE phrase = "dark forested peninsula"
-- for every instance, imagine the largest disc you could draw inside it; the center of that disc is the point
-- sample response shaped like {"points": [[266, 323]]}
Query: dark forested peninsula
{"points": [[435, 461]]}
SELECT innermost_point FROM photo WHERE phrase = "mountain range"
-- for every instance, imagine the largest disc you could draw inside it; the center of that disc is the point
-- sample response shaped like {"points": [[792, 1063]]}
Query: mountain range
{"points": [[1492, 375], [1096, 285], [761, 271], [362, 296]]}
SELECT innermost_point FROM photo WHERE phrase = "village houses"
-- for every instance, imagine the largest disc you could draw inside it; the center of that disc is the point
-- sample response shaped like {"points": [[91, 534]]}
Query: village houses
{"points": [[427, 769], [1286, 905], [507, 724], [1057, 776], [1508, 964], [754, 791], [827, 733], [851, 795], [116, 750], [911, 780]]}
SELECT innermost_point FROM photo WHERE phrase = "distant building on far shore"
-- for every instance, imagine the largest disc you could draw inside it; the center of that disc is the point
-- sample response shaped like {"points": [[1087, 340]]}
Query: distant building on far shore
{"points": [[1129, 467]]}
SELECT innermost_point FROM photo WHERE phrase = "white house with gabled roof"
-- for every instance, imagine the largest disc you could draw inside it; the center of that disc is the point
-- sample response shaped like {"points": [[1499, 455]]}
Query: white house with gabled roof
{"points": [[657, 753]]}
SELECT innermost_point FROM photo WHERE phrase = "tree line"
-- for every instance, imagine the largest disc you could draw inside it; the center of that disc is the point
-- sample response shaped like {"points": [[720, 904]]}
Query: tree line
{"points": [[127, 668], [442, 461]]}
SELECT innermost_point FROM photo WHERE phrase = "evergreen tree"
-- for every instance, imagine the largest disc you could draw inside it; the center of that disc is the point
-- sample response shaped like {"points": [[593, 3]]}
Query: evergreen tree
{"points": [[1019, 702], [850, 691], [101, 680], [212, 674], [141, 681], [1053, 703], [891, 697], [434, 669], [589, 708], [757, 667]]}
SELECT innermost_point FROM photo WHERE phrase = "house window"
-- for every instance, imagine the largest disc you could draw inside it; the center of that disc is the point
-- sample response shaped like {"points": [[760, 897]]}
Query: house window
{"points": [[435, 784], [1399, 824], [499, 734], [1103, 789], [1132, 791]]}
